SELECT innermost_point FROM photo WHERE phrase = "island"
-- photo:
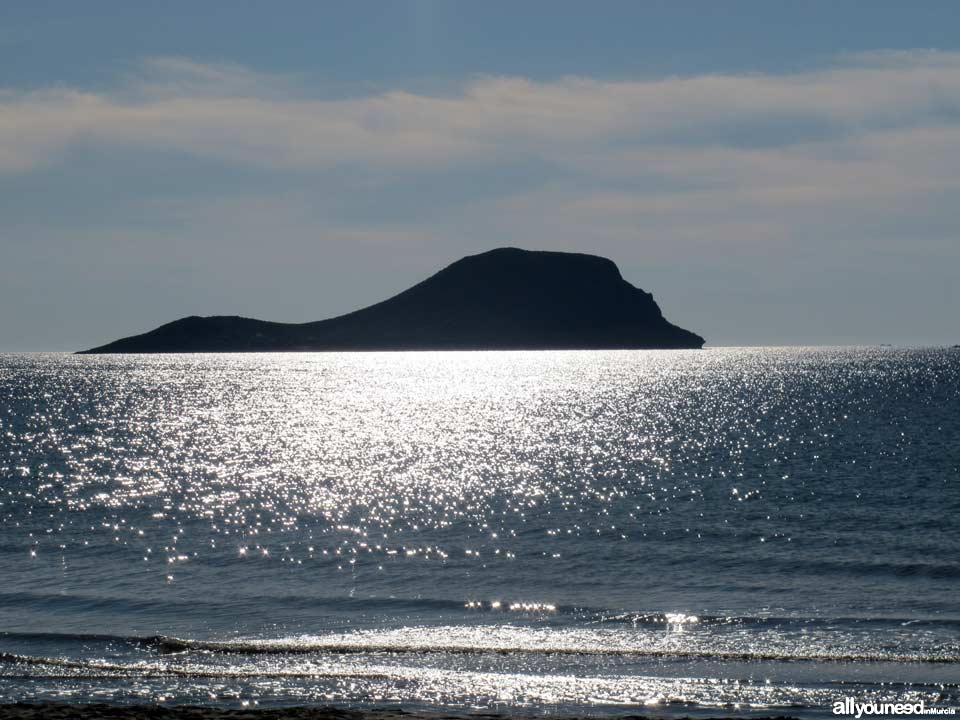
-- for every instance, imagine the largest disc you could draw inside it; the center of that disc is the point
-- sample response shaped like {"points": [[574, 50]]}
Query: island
{"points": [[503, 299]]}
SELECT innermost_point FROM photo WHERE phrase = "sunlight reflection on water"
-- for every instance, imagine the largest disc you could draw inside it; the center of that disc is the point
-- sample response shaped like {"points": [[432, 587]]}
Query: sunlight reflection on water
{"points": [[702, 507]]}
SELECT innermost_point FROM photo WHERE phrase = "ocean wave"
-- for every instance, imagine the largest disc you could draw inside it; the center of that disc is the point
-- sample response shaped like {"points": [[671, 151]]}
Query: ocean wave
{"points": [[344, 646], [652, 636], [141, 669], [91, 669], [194, 679]]}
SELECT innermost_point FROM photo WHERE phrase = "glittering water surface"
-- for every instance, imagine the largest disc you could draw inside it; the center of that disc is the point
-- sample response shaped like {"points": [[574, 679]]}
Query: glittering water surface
{"points": [[563, 531]]}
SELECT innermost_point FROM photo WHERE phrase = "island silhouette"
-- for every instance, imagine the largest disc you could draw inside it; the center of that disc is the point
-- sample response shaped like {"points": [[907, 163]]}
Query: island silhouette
{"points": [[503, 299]]}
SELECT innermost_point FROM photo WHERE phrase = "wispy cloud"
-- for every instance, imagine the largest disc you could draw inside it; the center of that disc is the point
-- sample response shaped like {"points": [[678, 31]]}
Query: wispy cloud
{"points": [[235, 114]]}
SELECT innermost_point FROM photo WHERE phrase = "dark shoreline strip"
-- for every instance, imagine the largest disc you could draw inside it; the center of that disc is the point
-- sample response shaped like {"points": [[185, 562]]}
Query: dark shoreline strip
{"points": [[65, 711]]}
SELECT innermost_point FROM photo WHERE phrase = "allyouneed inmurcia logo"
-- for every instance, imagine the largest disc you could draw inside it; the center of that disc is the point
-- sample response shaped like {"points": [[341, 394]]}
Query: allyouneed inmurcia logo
{"points": [[849, 706]]}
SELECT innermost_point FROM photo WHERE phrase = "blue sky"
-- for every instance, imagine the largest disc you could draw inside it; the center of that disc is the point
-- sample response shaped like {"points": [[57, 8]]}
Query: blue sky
{"points": [[775, 173]]}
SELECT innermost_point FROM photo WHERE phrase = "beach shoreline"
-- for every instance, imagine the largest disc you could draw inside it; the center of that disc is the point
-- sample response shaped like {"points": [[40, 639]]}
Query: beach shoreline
{"points": [[102, 711]]}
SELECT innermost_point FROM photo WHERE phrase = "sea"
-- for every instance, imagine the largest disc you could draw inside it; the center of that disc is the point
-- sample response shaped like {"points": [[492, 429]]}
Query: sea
{"points": [[742, 531]]}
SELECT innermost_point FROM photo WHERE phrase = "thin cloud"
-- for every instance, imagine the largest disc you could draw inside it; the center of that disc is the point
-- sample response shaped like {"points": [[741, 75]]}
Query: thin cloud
{"points": [[236, 115]]}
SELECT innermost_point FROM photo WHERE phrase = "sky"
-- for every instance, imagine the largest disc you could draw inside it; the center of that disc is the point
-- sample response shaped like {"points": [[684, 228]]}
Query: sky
{"points": [[774, 173]]}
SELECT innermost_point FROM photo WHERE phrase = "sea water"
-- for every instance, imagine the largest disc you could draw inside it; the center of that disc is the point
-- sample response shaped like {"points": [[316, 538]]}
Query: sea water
{"points": [[692, 532]]}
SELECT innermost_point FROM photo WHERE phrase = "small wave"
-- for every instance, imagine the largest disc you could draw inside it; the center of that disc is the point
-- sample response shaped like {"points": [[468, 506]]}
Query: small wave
{"points": [[345, 646], [771, 621], [63, 668], [154, 670]]}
